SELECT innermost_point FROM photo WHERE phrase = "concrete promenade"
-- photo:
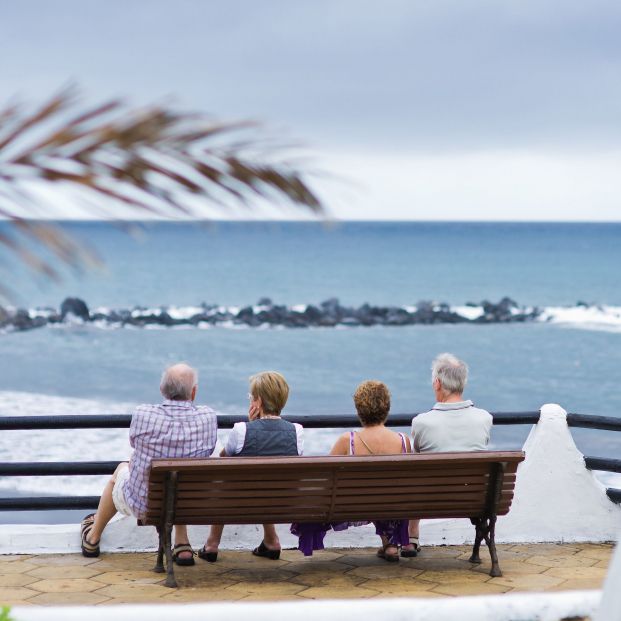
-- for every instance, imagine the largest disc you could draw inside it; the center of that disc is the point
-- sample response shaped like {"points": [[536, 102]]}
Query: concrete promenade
{"points": [[442, 571]]}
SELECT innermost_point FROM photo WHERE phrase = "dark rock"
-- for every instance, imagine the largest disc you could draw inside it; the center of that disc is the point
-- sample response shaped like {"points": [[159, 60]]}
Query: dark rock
{"points": [[4, 317], [21, 320], [74, 306], [265, 302]]}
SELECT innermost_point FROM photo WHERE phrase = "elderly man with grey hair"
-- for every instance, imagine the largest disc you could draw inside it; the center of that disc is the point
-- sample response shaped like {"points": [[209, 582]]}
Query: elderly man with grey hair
{"points": [[173, 428], [453, 424]]}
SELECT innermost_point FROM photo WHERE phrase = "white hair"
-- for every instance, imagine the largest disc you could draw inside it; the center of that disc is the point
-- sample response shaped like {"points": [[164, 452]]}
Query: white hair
{"points": [[178, 381], [451, 372]]}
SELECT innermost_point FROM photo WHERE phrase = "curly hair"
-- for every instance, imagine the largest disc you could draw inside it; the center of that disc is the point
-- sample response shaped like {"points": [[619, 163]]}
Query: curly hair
{"points": [[372, 401]]}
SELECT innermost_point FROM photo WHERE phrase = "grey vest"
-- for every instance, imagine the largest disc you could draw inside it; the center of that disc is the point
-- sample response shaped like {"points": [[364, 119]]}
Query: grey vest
{"points": [[270, 436]]}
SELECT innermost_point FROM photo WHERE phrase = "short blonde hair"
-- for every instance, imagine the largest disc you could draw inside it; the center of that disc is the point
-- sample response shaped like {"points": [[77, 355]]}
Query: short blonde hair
{"points": [[372, 401], [273, 390]]}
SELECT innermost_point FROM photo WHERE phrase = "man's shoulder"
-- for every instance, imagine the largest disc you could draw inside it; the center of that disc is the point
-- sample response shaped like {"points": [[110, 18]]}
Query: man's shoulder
{"points": [[422, 417], [145, 409], [205, 410], [480, 412]]}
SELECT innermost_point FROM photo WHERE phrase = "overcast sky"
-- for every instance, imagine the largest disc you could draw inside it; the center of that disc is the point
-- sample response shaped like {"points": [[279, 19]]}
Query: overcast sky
{"points": [[434, 110]]}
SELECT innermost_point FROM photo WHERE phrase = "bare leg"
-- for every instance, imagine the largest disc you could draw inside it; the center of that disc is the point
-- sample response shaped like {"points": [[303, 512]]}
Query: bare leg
{"points": [[181, 537], [215, 535], [106, 509], [270, 537], [388, 548], [414, 531]]}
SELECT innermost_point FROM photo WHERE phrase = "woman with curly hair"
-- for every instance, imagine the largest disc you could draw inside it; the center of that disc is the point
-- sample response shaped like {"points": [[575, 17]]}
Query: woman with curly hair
{"points": [[372, 401]]}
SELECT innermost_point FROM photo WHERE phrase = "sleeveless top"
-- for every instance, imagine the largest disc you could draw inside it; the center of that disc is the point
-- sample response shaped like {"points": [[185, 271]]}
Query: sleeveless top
{"points": [[353, 452], [269, 436]]}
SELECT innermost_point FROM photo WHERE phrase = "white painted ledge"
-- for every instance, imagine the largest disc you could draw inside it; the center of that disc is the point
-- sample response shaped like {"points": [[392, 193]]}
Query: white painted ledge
{"points": [[556, 500], [542, 606]]}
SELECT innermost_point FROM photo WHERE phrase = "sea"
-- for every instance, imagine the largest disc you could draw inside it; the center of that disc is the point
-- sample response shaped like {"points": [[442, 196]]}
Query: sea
{"points": [[570, 356]]}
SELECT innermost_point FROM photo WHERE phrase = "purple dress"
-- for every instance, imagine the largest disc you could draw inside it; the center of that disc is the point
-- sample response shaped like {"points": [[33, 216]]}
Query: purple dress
{"points": [[310, 535]]}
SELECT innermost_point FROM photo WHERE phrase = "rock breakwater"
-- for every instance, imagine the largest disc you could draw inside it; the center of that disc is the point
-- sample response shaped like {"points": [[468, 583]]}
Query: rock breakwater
{"points": [[328, 314]]}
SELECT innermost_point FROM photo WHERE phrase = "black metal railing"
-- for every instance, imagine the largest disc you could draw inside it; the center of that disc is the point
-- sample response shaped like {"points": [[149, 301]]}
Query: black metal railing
{"points": [[226, 421]]}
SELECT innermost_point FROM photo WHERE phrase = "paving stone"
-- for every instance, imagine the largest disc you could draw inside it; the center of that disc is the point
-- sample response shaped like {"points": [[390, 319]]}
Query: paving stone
{"points": [[398, 587], [259, 574], [19, 567], [66, 599], [439, 571], [511, 567], [566, 562], [440, 564], [261, 597], [201, 595], [125, 577], [601, 554], [344, 581], [527, 582], [136, 562], [315, 565], [578, 585], [11, 558], [214, 569], [246, 558], [144, 592], [328, 592], [578, 573], [451, 577], [11, 580], [468, 588], [395, 570], [364, 560], [70, 571], [69, 585], [322, 555], [61, 560], [197, 580], [16, 594], [445, 551], [548, 549], [287, 588]]}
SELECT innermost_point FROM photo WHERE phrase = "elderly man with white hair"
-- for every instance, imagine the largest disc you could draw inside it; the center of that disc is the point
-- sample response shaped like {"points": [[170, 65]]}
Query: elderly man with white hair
{"points": [[453, 424], [173, 428]]}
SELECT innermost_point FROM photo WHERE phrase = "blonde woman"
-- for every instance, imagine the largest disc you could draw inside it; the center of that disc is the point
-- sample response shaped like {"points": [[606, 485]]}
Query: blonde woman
{"points": [[265, 433]]}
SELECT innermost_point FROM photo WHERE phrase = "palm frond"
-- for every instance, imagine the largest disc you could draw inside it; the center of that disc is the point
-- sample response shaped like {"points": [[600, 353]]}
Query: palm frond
{"points": [[147, 160]]}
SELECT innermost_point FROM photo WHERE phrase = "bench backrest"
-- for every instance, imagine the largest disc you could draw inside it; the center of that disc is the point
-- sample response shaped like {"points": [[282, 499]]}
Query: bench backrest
{"points": [[250, 490]]}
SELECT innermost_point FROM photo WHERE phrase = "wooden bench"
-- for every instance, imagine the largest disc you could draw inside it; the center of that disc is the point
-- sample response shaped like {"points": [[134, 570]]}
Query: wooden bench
{"points": [[281, 490]]}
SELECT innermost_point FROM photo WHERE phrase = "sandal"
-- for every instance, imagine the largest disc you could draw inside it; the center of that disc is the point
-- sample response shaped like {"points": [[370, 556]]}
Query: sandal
{"points": [[180, 548], [263, 550], [390, 557], [414, 552], [210, 557], [89, 550]]}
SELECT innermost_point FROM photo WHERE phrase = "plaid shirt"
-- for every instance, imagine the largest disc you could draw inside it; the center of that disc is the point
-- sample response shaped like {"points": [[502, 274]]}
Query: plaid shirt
{"points": [[172, 429]]}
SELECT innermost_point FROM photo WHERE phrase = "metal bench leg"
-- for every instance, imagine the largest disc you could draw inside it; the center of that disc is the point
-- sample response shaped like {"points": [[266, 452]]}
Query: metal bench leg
{"points": [[475, 558], [159, 563], [170, 570], [170, 496], [491, 544]]}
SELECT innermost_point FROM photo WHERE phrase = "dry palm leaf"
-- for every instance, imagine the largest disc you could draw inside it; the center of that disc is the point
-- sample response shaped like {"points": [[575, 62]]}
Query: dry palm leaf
{"points": [[148, 160]]}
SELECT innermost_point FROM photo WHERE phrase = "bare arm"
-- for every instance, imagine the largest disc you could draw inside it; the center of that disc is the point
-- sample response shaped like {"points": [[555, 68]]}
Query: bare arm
{"points": [[341, 446]]}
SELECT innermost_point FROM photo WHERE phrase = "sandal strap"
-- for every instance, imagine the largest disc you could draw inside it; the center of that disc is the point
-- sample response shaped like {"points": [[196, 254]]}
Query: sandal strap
{"points": [[86, 544], [183, 547]]}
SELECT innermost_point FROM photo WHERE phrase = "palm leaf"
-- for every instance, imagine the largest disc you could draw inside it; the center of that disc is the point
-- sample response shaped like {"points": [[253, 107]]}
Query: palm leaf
{"points": [[148, 160]]}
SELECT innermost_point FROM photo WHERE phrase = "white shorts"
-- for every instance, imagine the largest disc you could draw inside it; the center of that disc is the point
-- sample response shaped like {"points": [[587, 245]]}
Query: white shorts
{"points": [[118, 495]]}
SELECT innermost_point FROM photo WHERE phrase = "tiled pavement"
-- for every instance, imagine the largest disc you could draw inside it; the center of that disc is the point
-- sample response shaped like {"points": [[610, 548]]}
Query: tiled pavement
{"points": [[335, 573]]}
